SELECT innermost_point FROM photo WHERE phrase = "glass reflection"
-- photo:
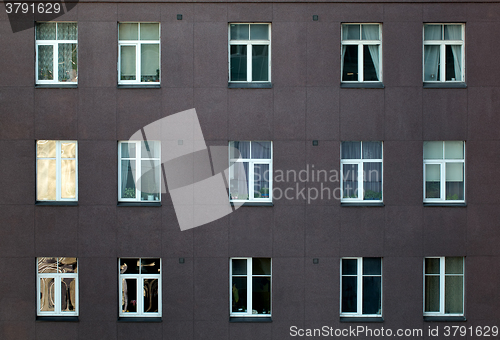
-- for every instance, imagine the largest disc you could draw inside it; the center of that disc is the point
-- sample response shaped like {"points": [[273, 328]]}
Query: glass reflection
{"points": [[47, 295], [151, 295], [68, 294], [129, 295]]}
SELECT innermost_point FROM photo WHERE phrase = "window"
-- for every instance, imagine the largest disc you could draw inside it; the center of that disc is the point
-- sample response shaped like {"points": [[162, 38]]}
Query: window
{"points": [[444, 52], [444, 171], [250, 172], [57, 286], [139, 53], [56, 170], [361, 164], [249, 52], [444, 286], [361, 53], [140, 287], [250, 286], [56, 53], [361, 286], [139, 171]]}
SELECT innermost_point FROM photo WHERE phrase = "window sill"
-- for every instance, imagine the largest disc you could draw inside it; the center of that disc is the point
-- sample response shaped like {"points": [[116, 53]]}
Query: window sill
{"points": [[362, 85], [444, 318], [362, 204], [139, 86], [445, 85], [249, 85], [364, 319], [252, 204], [54, 203], [436, 204], [140, 204], [250, 319], [57, 318], [56, 86], [139, 319]]}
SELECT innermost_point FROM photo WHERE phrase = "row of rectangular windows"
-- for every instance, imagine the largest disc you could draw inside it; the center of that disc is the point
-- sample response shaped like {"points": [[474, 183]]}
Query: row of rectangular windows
{"points": [[251, 174], [250, 286], [249, 53]]}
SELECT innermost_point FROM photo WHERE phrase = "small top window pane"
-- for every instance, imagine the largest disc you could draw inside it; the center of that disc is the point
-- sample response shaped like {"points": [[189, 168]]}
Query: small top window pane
{"points": [[351, 150], [452, 32], [46, 31], [47, 265], [150, 31], [372, 266], [239, 31], [350, 32], [128, 32], [68, 150], [432, 266], [67, 31], [261, 150], [150, 149], [259, 32], [372, 150], [150, 266], [370, 32], [433, 150], [243, 148], [68, 265], [433, 32], [129, 266], [454, 150], [261, 266], [454, 265], [128, 150], [46, 148], [349, 266], [239, 267]]}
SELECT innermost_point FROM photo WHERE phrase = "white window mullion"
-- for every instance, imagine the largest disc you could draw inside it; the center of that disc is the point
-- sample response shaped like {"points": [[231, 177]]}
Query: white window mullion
{"points": [[360, 286], [140, 295], [55, 62], [57, 294], [441, 285], [138, 170], [249, 62], [442, 62], [138, 61], [360, 179], [360, 62], [249, 286], [442, 173], [250, 180], [58, 171]]}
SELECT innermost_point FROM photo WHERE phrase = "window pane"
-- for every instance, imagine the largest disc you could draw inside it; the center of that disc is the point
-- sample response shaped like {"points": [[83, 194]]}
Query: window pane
{"points": [[432, 181], [239, 290], [350, 62], [431, 63], [372, 294], [261, 266], [150, 180], [46, 180], [68, 150], [129, 295], [127, 63], [128, 179], [351, 150], [68, 294], [454, 150], [45, 148], [370, 32], [261, 150], [372, 184], [68, 265], [128, 150], [370, 62], [261, 181], [261, 295], [150, 149], [433, 32], [68, 178], [452, 32], [239, 31], [239, 181], [372, 266], [454, 181], [454, 265], [350, 180], [453, 294], [453, 63], [260, 63], [47, 265], [259, 32], [433, 150], [432, 266], [45, 62], [128, 32], [372, 150], [243, 148], [150, 266], [350, 32], [47, 294], [67, 31], [129, 266], [349, 294], [46, 31], [238, 62], [432, 293], [150, 295], [150, 31], [239, 267], [349, 266], [150, 62]]}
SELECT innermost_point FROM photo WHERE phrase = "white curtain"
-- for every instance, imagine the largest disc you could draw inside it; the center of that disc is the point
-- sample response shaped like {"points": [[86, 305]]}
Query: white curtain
{"points": [[370, 32], [431, 53], [454, 32]]}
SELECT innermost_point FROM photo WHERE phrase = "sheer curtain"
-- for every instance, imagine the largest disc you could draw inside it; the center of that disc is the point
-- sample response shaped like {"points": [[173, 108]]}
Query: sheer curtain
{"points": [[454, 32], [371, 32], [261, 150], [431, 53]]}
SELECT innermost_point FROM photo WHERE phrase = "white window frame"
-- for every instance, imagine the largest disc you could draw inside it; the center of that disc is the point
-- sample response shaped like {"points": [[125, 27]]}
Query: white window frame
{"points": [[361, 43], [442, 55], [137, 44], [138, 171], [249, 43], [442, 276], [57, 292], [249, 275], [55, 47], [359, 280], [360, 162], [58, 159], [140, 287], [442, 163], [251, 162]]}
